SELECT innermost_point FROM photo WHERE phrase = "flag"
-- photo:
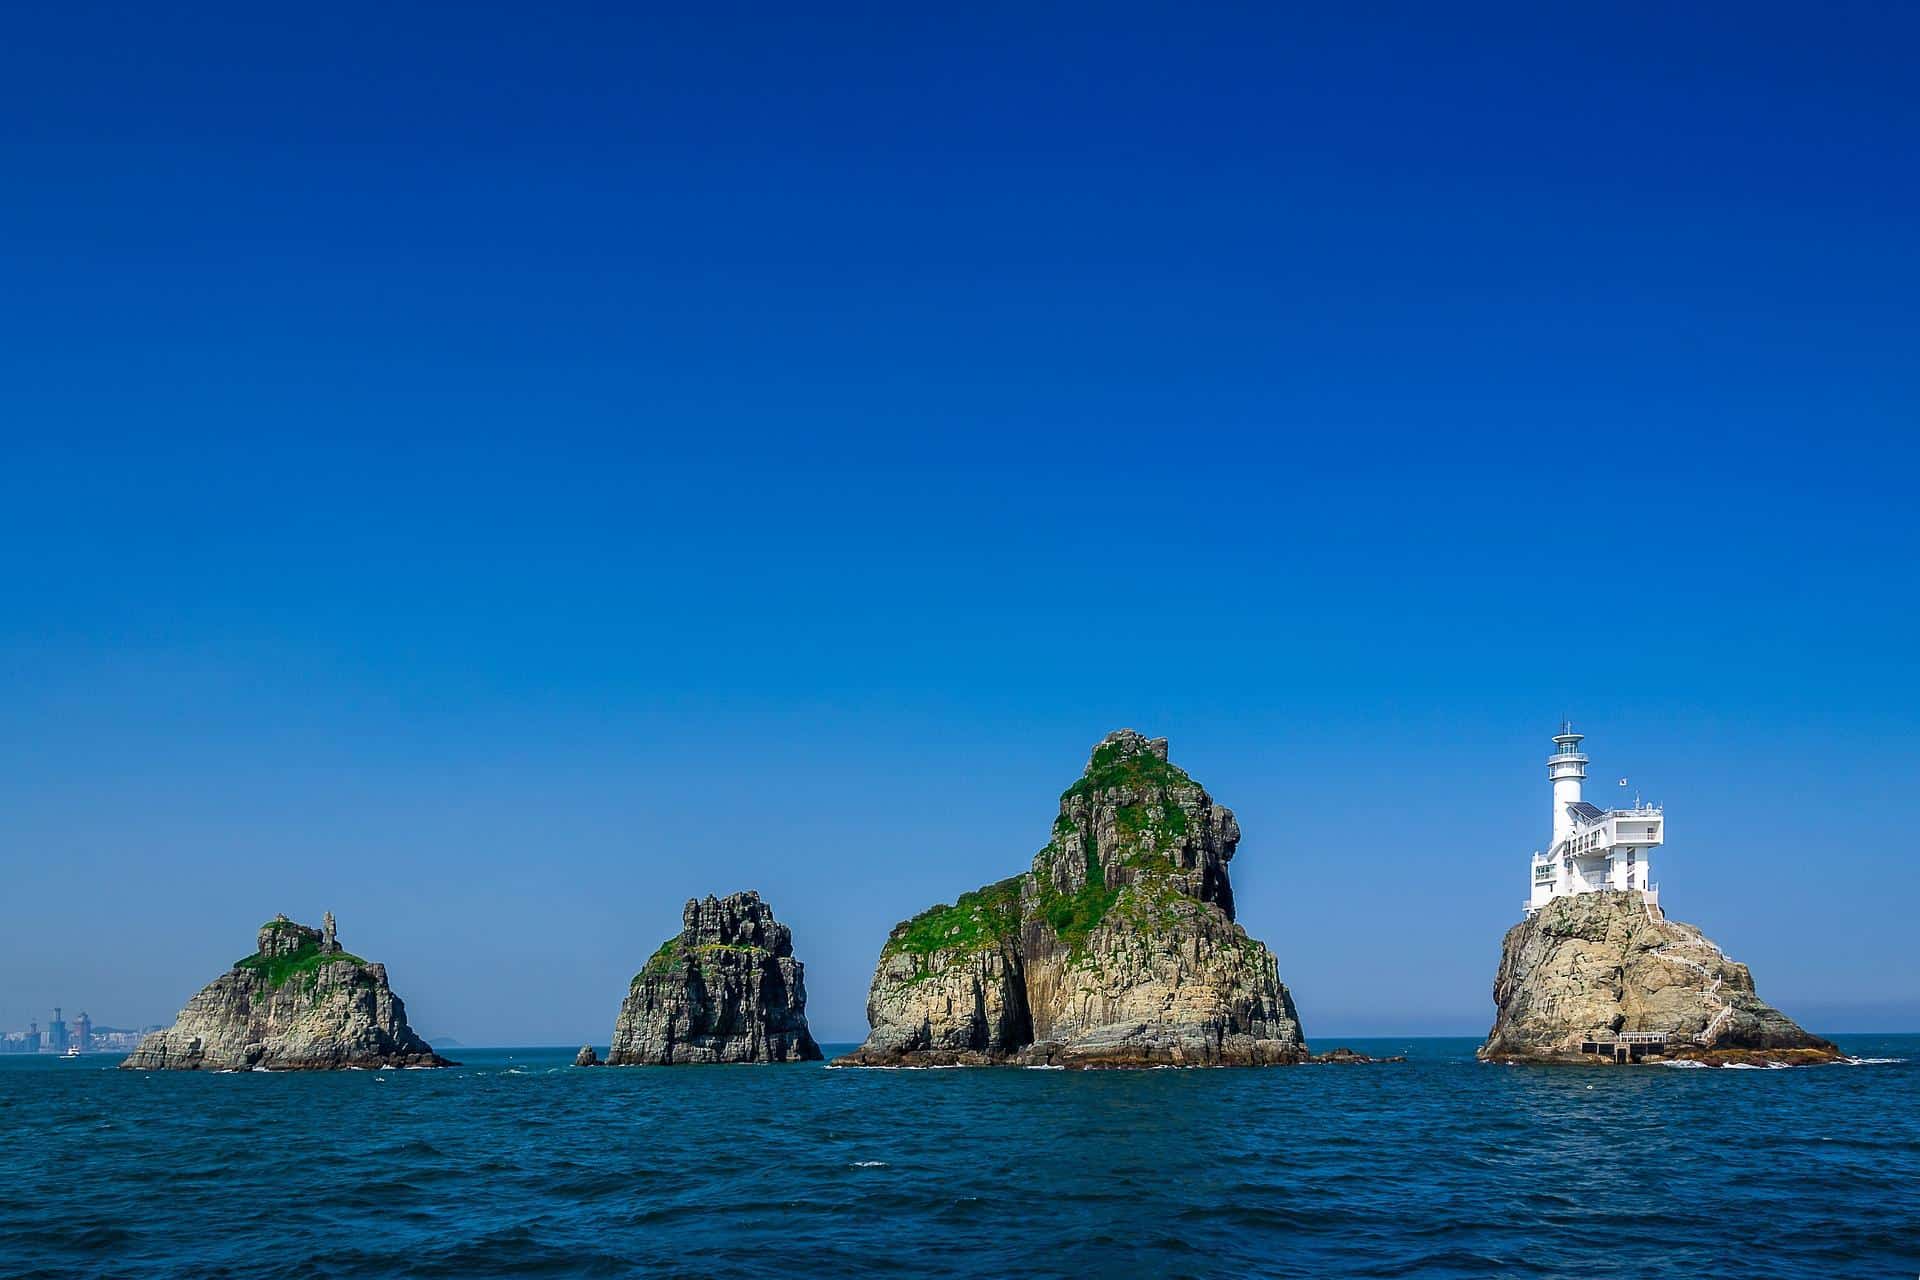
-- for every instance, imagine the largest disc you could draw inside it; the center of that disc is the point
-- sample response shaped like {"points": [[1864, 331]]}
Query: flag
{"points": [[1623, 782]]}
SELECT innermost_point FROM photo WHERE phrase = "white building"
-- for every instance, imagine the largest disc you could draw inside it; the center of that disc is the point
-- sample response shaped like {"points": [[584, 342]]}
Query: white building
{"points": [[1592, 849]]}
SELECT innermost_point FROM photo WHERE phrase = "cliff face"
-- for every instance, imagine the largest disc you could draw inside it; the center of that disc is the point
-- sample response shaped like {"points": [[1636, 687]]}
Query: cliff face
{"points": [[1117, 947], [725, 989], [1588, 968], [297, 1003]]}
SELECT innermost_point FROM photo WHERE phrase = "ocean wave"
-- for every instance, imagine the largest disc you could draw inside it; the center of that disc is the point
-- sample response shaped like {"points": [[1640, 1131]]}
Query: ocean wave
{"points": [[1391, 1174]]}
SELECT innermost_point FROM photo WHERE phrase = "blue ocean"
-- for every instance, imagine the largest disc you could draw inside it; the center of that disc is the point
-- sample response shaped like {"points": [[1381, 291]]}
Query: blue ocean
{"points": [[517, 1164]]}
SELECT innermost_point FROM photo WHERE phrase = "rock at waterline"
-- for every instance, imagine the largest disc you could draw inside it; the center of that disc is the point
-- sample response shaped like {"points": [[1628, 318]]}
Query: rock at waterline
{"points": [[726, 988], [1117, 948], [1594, 974], [298, 1003]]}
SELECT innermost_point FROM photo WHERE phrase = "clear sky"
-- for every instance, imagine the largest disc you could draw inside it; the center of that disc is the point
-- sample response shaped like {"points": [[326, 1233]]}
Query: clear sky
{"points": [[495, 474]]}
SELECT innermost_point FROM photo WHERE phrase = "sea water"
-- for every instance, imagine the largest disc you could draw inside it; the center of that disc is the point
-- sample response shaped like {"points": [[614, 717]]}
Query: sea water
{"points": [[518, 1164]]}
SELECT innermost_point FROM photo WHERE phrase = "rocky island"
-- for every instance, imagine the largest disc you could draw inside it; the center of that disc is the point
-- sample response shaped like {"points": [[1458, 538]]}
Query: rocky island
{"points": [[1606, 977], [726, 988], [1117, 948], [298, 1003]]}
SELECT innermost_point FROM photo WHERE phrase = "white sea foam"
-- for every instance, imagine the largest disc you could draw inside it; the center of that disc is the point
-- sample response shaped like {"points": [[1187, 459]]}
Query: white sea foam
{"points": [[1869, 1062], [1686, 1063], [869, 1164]]}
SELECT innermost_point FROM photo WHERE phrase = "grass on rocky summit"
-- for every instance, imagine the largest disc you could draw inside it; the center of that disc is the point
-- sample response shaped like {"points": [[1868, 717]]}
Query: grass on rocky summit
{"points": [[279, 970], [1109, 768], [979, 919]]}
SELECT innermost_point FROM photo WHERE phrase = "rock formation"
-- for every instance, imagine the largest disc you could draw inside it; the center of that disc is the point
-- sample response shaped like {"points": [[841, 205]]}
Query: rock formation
{"points": [[725, 989], [1587, 972], [1117, 948], [297, 1003], [587, 1057]]}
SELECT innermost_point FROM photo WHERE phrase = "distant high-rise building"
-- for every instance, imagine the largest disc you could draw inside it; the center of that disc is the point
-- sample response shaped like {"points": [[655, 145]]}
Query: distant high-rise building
{"points": [[57, 1033], [86, 1032], [33, 1037]]}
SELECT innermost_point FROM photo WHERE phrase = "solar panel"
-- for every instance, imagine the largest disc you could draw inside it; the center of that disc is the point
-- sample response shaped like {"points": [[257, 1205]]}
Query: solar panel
{"points": [[1580, 808]]}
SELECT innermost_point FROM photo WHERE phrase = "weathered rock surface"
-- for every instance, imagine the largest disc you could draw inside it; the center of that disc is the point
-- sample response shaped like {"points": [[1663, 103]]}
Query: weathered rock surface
{"points": [[587, 1057], [1344, 1056], [1118, 946], [1595, 966], [298, 1003], [725, 989]]}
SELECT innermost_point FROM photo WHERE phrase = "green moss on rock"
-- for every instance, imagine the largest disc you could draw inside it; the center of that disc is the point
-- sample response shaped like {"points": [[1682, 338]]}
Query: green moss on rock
{"points": [[1113, 767], [664, 957], [980, 919], [307, 961]]}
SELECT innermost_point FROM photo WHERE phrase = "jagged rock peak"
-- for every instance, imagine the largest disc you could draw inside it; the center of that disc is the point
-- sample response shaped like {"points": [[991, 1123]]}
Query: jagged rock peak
{"points": [[738, 920], [1606, 976], [1122, 744], [299, 1002], [726, 988]]}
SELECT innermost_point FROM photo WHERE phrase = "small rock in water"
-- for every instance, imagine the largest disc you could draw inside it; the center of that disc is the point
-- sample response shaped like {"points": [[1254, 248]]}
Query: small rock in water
{"points": [[587, 1057]]}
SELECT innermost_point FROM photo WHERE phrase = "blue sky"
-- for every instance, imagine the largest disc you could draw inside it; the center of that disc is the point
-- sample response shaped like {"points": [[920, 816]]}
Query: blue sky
{"points": [[495, 476]]}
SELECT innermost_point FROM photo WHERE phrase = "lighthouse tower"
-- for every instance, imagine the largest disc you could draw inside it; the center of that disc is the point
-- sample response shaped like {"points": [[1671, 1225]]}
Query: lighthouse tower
{"points": [[1593, 850], [1567, 770]]}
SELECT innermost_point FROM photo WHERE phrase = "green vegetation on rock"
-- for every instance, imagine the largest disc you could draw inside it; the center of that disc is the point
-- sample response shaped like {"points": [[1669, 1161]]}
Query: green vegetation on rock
{"points": [[664, 957], [979, 919], [1111, 767], [278, 970], [1075, 915]]}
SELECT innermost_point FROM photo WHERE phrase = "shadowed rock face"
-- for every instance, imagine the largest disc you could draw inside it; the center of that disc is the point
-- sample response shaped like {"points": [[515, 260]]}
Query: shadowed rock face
{"points": [[1605, 964], [298, 1003], [726, 989], [1117, 947]]}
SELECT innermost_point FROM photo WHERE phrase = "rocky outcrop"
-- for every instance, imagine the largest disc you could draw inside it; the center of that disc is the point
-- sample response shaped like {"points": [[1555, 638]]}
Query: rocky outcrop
{"points": [[298, 1003], [725, 989], [1118, 946], [1599, 976], [587, 1057]]}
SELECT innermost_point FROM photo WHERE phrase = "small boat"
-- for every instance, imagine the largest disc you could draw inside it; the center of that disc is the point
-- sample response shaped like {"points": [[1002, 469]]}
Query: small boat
{"points": [[73, 1051]]}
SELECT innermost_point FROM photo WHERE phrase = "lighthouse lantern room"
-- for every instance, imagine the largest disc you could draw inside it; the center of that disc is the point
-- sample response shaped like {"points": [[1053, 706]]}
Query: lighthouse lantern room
{"points": [[1593, 850]]}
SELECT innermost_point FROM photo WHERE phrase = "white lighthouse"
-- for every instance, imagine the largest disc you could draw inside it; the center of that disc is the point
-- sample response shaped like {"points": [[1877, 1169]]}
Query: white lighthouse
{"points": [[1592, 849]]}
